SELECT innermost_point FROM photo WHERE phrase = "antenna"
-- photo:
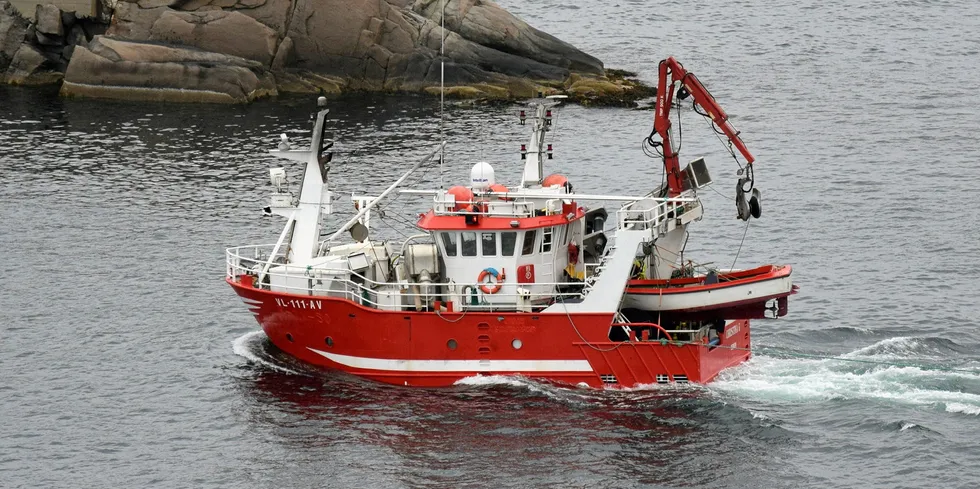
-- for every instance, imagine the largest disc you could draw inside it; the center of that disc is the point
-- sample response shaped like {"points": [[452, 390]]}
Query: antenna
{"points": [[442, 90]]}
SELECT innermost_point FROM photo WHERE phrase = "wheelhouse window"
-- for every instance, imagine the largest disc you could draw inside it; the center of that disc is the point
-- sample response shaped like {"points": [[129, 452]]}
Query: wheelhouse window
{"points": [[449, 243], [529, 242], [508, 241], [468, 242], [489, 244], [546, 236]]}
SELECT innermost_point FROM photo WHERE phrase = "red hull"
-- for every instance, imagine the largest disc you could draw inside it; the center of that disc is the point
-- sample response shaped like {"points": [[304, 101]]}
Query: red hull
{"points": [[412, 348]]}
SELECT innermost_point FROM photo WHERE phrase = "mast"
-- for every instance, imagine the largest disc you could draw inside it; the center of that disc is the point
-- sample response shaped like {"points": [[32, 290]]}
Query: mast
{"points": [[314, 196], [442, 91], [534, 154]]}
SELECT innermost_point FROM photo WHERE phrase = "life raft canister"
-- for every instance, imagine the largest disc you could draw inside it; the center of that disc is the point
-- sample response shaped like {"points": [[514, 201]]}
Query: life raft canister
{"points": [[498, 280]]}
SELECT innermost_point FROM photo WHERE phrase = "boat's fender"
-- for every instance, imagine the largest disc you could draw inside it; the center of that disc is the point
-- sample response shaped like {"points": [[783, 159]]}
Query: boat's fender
{"points": [[755, 203]]}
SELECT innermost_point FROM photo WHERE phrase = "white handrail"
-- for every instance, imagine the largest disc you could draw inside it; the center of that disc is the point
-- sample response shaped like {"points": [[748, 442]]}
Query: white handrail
{"points": [[572, 196], [234, 258]]}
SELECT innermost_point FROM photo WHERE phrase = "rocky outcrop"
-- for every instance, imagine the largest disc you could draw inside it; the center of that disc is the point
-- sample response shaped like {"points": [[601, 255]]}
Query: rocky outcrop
{"points": [[13, 32], [47, 21], [310, 46], [493, 27], [26, 62], [219, 31], [142, 71], [36, 51]]}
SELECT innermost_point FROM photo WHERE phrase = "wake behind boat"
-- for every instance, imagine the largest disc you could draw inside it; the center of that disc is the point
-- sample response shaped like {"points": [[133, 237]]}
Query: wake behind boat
{"points": [[500, 280]]}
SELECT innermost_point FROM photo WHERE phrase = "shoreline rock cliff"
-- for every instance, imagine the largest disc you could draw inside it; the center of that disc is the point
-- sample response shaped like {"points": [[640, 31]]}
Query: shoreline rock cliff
{"points": [[235, 51]]}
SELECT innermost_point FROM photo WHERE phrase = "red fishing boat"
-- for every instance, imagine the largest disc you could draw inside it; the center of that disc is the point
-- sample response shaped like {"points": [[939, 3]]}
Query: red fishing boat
{"points": [[518, 280]]}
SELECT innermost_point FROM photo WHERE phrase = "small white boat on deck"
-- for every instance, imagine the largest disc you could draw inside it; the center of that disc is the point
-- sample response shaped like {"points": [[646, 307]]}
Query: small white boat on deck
{"points": [[739, 293]]}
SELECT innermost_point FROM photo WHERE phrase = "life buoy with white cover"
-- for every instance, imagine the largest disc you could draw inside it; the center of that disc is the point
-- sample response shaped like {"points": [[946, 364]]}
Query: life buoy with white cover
{"points": [[498, 280]]}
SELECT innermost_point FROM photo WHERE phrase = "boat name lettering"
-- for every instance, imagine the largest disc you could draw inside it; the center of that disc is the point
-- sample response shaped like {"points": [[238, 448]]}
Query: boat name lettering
{"points": [[733, 330], [299, 303], [516, 328]]}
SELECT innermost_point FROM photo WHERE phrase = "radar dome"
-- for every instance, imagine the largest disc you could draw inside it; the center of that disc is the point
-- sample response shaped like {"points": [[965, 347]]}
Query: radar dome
{"points": [[481, 176]]}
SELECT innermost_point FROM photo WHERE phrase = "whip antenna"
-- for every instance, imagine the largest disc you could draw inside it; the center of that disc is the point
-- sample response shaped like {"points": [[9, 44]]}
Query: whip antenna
{"points": [[442, 90]]}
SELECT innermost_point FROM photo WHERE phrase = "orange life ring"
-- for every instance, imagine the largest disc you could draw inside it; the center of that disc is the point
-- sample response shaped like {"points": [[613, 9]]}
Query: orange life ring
{"points": [[498, 280]]}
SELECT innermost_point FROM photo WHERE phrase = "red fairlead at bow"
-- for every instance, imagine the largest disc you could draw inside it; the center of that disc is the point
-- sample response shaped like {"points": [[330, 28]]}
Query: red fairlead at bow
{"points": [[498, 280], [672, 73]]}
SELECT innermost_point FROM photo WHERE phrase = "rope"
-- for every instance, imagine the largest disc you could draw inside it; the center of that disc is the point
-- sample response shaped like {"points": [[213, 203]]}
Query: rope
{"points": [[402, 221], [460, 318], [718, 135], [695, 264], [590, 345], [740, 244], [713, 189]]}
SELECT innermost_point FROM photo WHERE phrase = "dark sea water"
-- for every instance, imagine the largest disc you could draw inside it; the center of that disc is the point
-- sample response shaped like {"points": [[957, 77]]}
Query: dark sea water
{"points": [[125, 361]]}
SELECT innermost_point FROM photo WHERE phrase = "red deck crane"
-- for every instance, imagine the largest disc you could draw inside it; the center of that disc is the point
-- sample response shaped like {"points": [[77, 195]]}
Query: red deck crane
{"points": [[671, 71]]}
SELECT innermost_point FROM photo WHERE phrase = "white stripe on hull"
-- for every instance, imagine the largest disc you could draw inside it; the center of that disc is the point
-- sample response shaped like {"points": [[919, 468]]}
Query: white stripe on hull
{"points": [[397, 365], [254, 306]]}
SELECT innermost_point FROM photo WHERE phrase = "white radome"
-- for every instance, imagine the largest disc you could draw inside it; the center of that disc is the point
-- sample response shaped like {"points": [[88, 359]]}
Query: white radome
{"points": [[481, 176]]}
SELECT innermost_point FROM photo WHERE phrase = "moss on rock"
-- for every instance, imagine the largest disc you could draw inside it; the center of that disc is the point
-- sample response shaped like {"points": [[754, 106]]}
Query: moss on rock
{"points": [[616, 88]]}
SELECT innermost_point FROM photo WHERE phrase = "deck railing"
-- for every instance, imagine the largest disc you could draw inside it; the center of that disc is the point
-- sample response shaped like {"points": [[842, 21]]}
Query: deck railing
{"points": [[658, 217], [342, 282]]}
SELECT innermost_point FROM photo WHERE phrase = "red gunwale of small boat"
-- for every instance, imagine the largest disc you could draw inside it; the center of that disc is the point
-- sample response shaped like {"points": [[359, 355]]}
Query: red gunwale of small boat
{"points": [[686, 285], [560, 348]]}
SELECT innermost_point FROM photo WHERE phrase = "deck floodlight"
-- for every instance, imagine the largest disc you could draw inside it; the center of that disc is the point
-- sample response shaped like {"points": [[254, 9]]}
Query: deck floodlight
{"points": [[278, 178]]}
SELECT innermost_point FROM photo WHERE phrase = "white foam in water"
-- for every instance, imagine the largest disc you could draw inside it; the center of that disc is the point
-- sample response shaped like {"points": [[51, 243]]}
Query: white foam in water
{"points": [[801, 380], [518, 381], [756, 415], [493, 380], [563, 394], [245, 345], [670, 387], [897, 347], [511, 381], [955, 407]]}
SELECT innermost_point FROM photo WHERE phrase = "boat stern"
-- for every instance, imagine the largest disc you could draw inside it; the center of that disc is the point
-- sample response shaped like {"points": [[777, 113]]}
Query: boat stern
{"points": [[641, 361]]}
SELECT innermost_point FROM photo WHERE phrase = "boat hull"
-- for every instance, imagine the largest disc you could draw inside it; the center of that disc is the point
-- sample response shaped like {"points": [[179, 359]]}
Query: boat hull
{"points": [[435, 350], [729, 299]]}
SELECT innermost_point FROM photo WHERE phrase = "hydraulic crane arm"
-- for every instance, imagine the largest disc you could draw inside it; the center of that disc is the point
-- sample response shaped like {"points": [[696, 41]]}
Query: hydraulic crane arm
{"points": [[671, 72]]}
